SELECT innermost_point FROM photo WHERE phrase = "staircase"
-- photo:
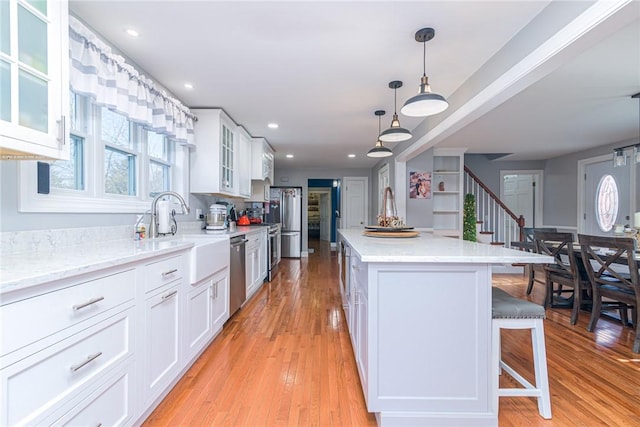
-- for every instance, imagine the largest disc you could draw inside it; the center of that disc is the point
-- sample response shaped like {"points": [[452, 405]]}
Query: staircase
{"points": [[497, 224]]}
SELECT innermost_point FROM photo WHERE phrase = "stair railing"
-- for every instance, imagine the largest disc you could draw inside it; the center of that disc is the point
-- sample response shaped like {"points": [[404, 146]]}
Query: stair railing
{"points": [[493, 213]]}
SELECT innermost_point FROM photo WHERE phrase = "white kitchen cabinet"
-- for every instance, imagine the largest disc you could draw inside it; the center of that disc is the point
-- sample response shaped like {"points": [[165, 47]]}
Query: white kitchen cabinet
{"points": [[213, 162], [357, 314], [255, 260], [161, 363], [111, 404], [207, 310], [220, 297], [262, 160], [447, 189], [199, 322], [361, 316], [34, 79], [65, 370], [260, 191], [244, 162]]}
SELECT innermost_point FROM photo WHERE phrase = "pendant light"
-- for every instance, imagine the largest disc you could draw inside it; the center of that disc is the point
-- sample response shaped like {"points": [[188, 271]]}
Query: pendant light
{"points": [[425, 103], [379, 150], [395, 133]]}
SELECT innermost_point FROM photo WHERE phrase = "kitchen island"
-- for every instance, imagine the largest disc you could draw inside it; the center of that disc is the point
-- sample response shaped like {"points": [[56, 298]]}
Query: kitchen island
{"points": [[419, 315]]}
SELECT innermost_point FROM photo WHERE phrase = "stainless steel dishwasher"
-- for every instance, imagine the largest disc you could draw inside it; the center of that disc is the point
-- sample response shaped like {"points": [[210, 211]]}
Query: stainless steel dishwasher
{"points": [[237, 285]]}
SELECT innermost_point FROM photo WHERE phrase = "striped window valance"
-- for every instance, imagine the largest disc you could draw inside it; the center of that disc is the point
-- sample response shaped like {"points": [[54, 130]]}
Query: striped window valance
{"points": [[99, 73]]}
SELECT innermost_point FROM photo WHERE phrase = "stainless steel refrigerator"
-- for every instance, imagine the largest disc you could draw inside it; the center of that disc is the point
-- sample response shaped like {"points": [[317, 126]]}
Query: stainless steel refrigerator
{"points": [[285, 207]]}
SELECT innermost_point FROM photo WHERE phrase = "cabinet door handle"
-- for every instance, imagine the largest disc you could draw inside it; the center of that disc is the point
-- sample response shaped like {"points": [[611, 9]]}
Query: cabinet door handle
{"points": [[88, 303], [89, 359], [169, 295], [62, 130], [167, 273]]}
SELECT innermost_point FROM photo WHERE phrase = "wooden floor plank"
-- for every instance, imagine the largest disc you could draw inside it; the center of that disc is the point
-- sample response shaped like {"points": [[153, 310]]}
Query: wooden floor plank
{"points": [[285, 359]]}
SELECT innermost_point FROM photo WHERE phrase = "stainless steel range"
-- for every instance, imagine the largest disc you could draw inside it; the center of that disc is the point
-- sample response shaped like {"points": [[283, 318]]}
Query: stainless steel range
{"points": [[273, 252]]}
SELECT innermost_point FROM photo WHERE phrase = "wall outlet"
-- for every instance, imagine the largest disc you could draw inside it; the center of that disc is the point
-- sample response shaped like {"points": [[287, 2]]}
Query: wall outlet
{"points": [[199, 214]]}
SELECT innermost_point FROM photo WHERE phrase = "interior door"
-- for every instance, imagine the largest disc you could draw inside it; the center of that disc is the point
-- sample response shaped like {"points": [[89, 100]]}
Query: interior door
{"points": [[521, 191], [614, 193], [356, 202]]}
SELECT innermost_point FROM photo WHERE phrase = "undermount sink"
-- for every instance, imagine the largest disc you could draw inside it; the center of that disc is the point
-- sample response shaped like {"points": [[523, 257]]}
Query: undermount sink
{"points": [[209, 255]]}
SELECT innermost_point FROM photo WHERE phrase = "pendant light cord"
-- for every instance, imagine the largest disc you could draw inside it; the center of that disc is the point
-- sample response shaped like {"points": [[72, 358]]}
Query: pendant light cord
{"points": [[424, 58], [395, 100]]}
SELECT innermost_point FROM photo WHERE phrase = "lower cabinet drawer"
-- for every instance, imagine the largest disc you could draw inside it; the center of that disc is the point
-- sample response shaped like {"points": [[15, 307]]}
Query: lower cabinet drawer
{"points": [[32, 387], [52, 312], [110, 405], [162, 272]]}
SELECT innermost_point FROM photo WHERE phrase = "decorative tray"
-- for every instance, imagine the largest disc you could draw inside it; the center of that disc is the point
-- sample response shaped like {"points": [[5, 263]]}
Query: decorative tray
{"points": [[394, 234], [387, 229]]}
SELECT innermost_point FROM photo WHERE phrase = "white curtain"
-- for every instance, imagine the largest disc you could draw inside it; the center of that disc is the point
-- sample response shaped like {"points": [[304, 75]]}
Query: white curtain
{"points": [[105, 77]]}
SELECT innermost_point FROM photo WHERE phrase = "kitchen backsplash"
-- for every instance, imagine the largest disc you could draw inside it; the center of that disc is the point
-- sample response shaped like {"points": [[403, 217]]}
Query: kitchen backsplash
{"points": [[13, 242]]}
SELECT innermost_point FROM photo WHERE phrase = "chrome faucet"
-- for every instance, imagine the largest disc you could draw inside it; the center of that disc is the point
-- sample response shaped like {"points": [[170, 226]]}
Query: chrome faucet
{"points": [[153, 227]]}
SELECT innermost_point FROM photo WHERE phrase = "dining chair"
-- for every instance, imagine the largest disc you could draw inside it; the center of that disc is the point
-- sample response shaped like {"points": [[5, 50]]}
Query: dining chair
{"points": [[534, 268], [564, 271], [612, 268]]}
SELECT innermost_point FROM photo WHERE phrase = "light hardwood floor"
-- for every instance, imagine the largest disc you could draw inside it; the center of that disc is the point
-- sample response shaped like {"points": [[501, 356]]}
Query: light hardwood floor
{"points": [[285, 359]]}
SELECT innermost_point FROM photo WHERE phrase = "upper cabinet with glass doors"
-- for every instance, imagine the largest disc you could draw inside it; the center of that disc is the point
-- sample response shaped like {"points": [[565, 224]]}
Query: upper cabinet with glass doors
{"points": [[214, 161], [34, 80]]}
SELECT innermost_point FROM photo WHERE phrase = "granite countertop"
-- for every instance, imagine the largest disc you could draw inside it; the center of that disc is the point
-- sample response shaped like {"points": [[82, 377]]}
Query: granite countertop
{"points": [[430, 248]]}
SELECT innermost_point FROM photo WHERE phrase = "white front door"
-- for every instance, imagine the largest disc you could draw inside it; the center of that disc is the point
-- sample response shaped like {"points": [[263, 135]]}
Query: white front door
{"points": [[355, 202], [614, 192]]}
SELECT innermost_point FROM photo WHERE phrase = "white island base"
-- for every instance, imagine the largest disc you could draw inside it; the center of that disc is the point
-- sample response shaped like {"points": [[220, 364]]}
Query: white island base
{"points": [[419, 316]]}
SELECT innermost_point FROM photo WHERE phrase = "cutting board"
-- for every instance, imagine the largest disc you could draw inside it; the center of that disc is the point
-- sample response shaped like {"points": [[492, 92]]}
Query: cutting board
{"points": [[394, 234]]}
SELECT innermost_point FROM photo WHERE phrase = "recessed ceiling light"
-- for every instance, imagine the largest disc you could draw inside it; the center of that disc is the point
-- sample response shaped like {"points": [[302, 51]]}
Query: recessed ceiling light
{"points": [[351, 155], [188, 86], [289, 156], [132, 32], [273, 126]]}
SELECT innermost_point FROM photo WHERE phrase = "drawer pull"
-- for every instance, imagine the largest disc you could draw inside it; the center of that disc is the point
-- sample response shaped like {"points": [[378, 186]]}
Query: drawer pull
{"points": [[169, 295], [89, 359], [88, 303], [167, 273]]}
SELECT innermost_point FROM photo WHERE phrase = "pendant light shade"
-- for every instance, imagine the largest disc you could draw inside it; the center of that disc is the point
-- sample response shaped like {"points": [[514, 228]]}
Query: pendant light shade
{"points": [[379, 150], [425, 103], [395, 133], [619, 155], [619, 158]]}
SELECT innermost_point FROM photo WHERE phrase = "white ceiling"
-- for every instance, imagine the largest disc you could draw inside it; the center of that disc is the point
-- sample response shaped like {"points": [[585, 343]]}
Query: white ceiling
{"points": [[320, 69]]}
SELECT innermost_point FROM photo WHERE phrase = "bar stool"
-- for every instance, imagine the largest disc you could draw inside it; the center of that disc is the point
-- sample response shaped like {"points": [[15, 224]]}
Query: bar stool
{"points": [[513, 313]]}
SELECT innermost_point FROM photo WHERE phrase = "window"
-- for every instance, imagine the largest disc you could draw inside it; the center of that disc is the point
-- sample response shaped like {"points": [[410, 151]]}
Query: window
{"points": [[114, 163], [606, 203], [69, 174], [120, 154], [160, 156]]}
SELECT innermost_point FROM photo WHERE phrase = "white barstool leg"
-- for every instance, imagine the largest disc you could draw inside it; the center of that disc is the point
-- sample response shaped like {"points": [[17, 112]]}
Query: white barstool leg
{"points": [[541, 389]]}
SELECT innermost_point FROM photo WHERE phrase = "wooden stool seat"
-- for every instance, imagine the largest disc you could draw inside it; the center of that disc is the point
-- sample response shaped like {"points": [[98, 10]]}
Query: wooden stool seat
{"points": [[513, 313]]}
